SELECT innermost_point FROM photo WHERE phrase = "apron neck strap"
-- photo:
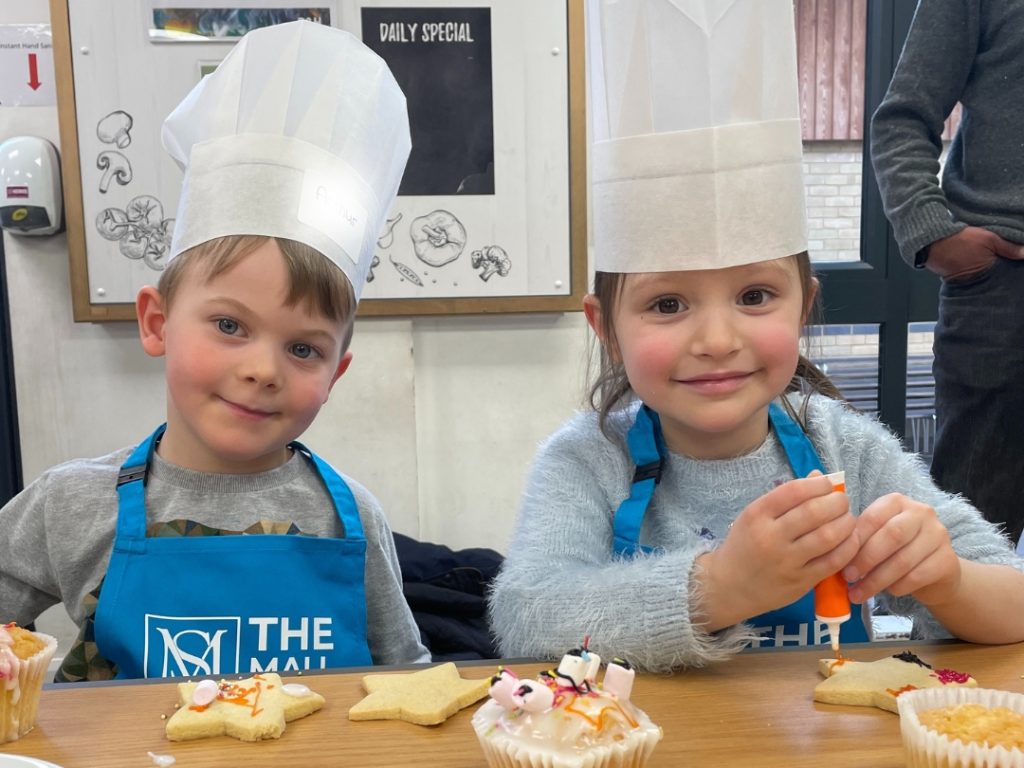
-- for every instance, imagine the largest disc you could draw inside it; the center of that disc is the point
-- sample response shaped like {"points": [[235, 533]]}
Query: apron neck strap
{"points": [[131, 490], [648, 452]]}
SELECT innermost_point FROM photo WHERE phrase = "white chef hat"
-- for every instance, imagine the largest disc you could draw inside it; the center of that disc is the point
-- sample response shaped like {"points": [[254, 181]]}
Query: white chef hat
{"points": [[697, 156], [301, 133]]}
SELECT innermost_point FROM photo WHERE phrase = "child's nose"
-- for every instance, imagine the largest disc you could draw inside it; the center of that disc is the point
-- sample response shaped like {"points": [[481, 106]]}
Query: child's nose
{"points": [[716, 334], [261, 366]]}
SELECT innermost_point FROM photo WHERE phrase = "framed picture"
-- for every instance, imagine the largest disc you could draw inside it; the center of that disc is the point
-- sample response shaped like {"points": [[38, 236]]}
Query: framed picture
{"points": [[490, 215]]}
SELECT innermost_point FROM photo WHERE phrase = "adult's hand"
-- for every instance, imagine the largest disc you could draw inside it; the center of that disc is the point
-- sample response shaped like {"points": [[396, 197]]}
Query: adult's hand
{"points": [[968, 253]]}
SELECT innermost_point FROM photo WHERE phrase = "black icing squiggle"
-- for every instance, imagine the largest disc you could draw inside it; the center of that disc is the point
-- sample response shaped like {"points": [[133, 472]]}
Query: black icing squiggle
{"points": [[911, 658]]}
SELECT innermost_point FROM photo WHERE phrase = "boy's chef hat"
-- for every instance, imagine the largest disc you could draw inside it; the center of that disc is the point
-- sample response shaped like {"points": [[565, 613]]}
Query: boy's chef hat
{"points": [[697, 158], [302, 133]]}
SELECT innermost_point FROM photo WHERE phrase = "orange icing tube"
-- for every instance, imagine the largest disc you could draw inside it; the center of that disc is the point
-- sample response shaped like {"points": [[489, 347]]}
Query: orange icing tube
{"points": [[831, 597]]}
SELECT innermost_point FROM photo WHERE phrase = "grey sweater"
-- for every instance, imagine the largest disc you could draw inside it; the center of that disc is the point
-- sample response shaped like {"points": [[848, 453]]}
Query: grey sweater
{"points": [[970, 51], [561, 582], [56, 536]]}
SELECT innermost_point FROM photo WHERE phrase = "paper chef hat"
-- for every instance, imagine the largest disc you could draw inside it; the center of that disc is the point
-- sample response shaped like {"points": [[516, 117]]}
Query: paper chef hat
{"points": [[301, 133], [697, 160]]}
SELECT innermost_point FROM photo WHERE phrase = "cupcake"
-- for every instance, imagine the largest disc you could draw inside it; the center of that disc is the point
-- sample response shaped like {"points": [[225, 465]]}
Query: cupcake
{"points": [[565, 719], [962, 728], [24, 659]]}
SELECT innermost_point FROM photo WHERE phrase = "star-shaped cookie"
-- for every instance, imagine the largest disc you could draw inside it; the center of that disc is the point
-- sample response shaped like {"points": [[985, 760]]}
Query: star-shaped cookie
{"points": [[878, 683], [251, 709], [427, 697]]}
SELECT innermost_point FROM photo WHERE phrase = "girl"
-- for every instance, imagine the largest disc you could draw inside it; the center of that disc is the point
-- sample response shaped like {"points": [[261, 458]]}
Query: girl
{"points": [[686, 518], [667, 524]]}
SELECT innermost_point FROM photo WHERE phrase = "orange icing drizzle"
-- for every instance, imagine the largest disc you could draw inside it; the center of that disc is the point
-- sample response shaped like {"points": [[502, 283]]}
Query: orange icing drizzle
{"points": [[898, 691], [837, 663], [603, 715], [236, 694]]}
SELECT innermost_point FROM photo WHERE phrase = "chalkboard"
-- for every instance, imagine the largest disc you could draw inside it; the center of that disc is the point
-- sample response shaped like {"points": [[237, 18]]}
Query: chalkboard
{"points": [[490, 215]]}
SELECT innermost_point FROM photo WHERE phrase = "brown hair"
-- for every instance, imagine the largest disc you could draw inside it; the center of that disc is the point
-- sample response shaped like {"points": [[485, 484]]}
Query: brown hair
{"points": [[312, 277], [611, 388]]}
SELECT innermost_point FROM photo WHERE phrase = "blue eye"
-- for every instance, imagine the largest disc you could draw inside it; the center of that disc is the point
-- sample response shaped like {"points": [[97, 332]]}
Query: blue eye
{"points": [[304, 351], [227, 325]]}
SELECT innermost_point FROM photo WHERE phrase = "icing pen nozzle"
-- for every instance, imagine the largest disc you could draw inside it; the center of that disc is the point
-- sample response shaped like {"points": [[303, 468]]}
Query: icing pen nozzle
{"points": [[831, 595]]}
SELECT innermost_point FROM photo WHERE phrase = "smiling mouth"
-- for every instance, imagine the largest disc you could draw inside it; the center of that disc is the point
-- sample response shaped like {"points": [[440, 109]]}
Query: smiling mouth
{"points": [[716, 383], [254, 413]]}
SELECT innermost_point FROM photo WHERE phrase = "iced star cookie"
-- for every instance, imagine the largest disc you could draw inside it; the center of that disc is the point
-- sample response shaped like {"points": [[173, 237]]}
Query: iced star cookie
{"points": [[879, 683], [251, 709]]}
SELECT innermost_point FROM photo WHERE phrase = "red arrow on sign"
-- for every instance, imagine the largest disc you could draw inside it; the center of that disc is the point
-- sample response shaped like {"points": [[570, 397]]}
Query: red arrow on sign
{"points": [[33, 72]]}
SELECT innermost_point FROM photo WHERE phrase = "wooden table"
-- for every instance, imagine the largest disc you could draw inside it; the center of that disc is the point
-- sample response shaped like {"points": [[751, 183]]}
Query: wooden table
{"points": [[754, 710]]}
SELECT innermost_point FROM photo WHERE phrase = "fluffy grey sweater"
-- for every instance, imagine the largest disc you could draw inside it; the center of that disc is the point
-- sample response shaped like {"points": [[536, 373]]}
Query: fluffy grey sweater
{"points": [[56, 536], [957, 50], [561, 582]]}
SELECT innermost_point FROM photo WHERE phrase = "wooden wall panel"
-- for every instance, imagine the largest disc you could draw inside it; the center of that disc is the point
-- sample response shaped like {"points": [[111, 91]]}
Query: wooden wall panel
{"points": [[831, 48]]}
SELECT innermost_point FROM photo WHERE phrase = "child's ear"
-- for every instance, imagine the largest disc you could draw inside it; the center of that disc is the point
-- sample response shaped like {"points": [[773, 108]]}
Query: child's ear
{"points": [[152, 317], [343, 365], [592, 311], [809, 301]]}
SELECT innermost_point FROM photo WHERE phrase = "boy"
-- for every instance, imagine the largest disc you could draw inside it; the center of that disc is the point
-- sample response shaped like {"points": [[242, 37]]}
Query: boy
{"points": [[285, 190]]}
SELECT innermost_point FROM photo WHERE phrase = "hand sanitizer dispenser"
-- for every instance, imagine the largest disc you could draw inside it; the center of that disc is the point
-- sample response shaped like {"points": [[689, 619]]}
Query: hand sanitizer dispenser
{"points": [[30, 191]]}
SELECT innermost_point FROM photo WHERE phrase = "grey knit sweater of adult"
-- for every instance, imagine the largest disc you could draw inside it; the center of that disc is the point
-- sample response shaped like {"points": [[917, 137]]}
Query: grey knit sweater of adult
{"points": [[958, 50], [56, 536], [560, 581]]}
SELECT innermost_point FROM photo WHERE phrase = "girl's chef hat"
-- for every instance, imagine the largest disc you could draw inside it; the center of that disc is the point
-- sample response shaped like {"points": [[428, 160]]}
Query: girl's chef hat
{"points": [[696, 119], [301, 133]]}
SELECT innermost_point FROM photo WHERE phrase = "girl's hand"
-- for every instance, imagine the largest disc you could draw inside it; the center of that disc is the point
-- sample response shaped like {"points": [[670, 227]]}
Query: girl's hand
{"points": [[905, 550], [777, 549]]}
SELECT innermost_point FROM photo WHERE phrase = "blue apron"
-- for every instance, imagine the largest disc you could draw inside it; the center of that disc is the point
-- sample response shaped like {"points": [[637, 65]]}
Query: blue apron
{"points": [[793, 624], [233, 604]]}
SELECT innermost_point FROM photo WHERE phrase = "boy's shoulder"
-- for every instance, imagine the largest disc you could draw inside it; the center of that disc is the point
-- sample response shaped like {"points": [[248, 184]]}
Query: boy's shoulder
{"points": [[87, 471]]}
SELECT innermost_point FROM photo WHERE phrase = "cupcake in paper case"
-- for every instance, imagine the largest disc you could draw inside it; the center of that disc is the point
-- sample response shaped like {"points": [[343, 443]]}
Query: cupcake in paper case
{"points": [[565, 719], [24, 659], [962, 728]]}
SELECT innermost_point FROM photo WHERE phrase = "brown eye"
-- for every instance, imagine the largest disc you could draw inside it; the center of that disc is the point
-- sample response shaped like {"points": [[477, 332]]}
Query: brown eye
{"points": [[667, 306], [752, 298]]}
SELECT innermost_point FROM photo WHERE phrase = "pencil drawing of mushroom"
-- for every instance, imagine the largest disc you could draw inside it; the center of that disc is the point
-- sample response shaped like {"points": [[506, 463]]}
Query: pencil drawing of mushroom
{"points": [[492, 259], [115, 129], [437, 238], [405, 272], [141, 231], [115, 167], [374, 263], [387, 237]]}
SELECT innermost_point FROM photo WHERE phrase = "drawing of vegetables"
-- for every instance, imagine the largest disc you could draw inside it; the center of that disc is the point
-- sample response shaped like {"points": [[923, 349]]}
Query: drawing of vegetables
{"points": [[140, 230], [492, 259], [405, 272], [437, 238]]}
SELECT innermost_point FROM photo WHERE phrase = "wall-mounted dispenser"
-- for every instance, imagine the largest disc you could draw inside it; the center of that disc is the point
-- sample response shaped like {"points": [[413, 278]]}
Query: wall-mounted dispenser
{"points": [[31, 200]]}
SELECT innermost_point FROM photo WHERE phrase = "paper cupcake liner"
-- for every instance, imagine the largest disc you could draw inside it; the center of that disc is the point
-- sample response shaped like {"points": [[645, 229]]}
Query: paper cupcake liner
{"points": [[20, 704], [503, 752], [929, 749]]}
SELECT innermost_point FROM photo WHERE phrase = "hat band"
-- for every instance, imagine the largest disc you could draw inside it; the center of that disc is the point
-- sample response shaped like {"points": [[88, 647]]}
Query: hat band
{"points": [[701, 199], [286, 188]]}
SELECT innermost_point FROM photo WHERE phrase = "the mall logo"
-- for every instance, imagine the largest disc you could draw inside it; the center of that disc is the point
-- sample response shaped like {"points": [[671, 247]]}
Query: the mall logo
{"points": [[186, 646]]}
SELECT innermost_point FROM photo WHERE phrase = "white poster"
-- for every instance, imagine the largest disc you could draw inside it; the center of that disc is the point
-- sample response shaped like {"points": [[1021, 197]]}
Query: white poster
{"points": [[26, 66]]}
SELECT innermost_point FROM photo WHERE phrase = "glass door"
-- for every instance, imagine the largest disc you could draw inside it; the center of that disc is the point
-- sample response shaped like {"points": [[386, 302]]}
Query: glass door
{"points": [[847, 50]]}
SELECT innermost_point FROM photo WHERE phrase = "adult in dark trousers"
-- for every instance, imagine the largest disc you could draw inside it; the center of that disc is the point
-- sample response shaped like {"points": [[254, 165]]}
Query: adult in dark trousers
{"points": [[968, 230]]}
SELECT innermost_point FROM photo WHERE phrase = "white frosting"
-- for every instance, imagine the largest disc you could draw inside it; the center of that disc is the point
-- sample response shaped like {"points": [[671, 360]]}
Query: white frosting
{"points": [[295, 689], [164, 761]]}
